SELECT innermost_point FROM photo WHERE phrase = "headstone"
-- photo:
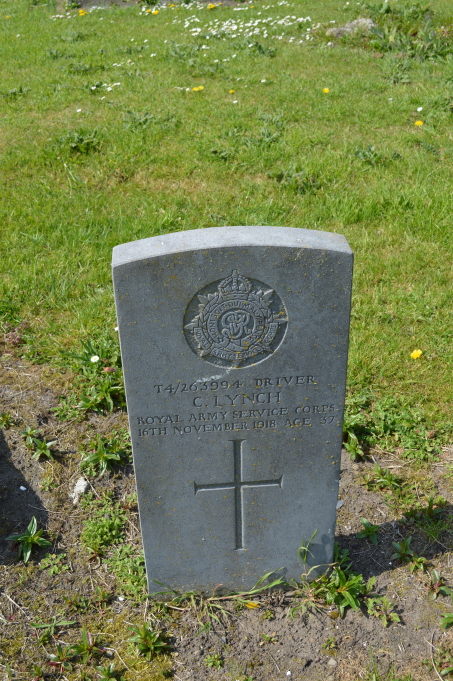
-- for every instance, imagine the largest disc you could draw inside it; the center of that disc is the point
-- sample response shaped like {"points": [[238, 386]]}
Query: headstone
{"points": [[234, 346]]}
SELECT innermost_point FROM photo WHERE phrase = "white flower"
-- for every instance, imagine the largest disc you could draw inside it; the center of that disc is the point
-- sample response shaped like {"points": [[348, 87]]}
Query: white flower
{"points": [[420, 108], [235, 101], [94, 359], [79, 110]]}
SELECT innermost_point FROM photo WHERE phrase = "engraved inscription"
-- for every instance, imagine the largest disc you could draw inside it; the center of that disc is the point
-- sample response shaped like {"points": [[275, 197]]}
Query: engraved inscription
{"points": [[235, 322], [213, 386], [238, 486], [239, 419]]}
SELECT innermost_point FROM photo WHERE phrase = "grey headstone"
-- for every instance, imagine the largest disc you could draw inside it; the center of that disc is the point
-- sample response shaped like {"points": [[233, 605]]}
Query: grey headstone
{"points": [[234, 345]]}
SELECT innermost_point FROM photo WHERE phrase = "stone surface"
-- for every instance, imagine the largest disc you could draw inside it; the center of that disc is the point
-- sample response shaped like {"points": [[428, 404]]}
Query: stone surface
{"points": [[361, 24], [80, 487], [234, 347]]}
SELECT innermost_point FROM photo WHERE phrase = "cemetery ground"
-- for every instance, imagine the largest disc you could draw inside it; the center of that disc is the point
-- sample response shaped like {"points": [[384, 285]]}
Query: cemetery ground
{"points": [[129, 122]]}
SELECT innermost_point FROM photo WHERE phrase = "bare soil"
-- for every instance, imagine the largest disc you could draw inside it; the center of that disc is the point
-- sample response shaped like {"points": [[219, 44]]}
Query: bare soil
{"points": [[263, 643]]}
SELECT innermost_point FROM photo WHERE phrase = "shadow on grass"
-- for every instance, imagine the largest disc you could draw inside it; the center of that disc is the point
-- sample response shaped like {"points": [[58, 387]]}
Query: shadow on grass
{"points": [[16, 506]]}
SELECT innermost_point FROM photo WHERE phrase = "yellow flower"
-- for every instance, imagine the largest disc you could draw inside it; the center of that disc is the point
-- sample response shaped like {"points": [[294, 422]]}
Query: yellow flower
{"points": [[82, 12], [198, 89], [416, 354], [419, 123], [155, 11], [211, 6], [231, 92], [326, 90], [252, 605]]}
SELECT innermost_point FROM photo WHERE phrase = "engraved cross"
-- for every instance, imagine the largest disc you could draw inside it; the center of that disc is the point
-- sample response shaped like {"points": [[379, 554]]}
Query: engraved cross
{"points": [[238, 485]]}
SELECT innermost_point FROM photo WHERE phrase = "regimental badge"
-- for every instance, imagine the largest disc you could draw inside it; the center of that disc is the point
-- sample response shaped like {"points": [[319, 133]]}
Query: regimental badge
{"points": [[240, 321]]}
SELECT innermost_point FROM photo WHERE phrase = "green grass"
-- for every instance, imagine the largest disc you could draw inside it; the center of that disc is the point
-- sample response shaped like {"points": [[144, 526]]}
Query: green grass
{"points": [[147, 158]]}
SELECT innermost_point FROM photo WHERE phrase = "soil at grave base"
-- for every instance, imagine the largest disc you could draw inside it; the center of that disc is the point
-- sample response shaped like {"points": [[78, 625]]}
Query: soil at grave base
{"points": [[292, 645]]}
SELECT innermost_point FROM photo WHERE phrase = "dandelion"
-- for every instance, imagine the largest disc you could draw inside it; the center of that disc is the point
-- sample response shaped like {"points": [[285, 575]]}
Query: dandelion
{"points": [[82, 12], [211, 5], [231, 92], [155, 11], [419, 123], [326, 90], [416, 354], [94, 359], [198, 89]]}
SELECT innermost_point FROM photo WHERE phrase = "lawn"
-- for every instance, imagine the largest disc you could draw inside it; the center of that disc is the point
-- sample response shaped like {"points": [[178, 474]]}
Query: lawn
{"points": [[126, 122]]}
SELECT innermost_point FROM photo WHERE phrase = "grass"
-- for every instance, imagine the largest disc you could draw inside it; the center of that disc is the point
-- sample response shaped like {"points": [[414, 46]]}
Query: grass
{"points": [[120, 124], [87, 167]]}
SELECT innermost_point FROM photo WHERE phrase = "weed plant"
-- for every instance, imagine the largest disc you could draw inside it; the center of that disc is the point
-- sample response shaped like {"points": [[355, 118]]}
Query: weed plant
{"points": [[6, 420], [211, 609], [148, 642], [369, 531], [105, 453], [54, 563], [30, 539], [339, 586], [105, 525], [391, 423], [128, 566]]}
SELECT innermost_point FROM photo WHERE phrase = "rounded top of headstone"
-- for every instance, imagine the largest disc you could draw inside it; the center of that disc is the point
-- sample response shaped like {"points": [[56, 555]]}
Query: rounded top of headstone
{"points": [[219, 237]]}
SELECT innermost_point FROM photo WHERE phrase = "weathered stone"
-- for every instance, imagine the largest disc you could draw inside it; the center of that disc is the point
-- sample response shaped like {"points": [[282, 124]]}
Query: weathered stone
{"points": [[361, 24], [234, 346]]}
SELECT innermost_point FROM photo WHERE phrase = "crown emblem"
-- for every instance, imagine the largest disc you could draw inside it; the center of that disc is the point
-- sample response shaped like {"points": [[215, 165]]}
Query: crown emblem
{"points": [[238, 323]]}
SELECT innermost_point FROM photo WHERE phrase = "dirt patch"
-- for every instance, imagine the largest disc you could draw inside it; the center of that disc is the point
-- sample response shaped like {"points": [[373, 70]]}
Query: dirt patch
{"points": [[261, 643]]}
